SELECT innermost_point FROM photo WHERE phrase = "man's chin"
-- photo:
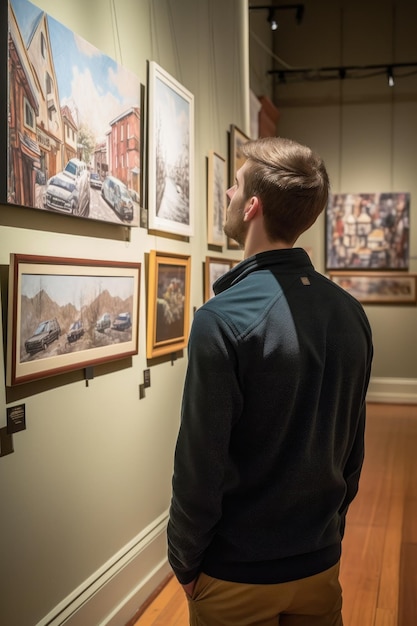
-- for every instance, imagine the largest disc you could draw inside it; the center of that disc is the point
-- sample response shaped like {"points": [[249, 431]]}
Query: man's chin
{"points": [[233, 237]]}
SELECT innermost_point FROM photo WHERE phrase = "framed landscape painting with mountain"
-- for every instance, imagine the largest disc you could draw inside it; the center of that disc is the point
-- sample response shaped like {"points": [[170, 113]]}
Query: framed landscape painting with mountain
{"points": [[66, 314]]}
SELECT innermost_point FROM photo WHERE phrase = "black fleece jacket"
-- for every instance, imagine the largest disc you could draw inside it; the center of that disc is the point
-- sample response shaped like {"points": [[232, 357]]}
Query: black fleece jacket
{"points": [[271, 442]]}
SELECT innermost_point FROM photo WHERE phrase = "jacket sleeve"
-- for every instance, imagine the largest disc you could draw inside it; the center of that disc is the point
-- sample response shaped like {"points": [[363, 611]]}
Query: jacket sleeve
{"points": [[353, 467], [212, 401], [353, 470]]}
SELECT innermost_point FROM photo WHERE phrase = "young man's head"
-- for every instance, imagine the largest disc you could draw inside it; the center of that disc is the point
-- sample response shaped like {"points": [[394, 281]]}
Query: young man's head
{"points": [[290, 182]]}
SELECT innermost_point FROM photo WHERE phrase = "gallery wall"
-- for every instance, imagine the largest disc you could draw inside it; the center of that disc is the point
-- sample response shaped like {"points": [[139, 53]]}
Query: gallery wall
{"points": [[85, 492]]}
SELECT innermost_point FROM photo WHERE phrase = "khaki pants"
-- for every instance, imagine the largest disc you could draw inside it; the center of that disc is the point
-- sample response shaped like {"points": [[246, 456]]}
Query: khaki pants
{"points": [[312, 601]]}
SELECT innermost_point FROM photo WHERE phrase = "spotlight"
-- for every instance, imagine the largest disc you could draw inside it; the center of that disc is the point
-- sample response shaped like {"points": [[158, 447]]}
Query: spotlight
{"points": [[271, 19], [390, 75], [272, 8]]}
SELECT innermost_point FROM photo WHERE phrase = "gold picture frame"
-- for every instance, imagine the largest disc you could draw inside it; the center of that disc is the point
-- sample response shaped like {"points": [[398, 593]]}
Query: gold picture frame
{"points": [[168, 303]]}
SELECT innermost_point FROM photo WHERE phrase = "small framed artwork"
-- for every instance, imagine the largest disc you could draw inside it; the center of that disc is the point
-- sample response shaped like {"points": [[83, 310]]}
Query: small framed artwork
{"points": [[170, 154], [216, 198], [236, 159], [168, 303], [70, 132], [214, 267], [66, 314], [368, 231], [379, 287]]}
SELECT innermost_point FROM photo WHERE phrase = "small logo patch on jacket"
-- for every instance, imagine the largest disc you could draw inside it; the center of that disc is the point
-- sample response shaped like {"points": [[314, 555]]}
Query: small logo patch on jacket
{"points": [[305, 280]]}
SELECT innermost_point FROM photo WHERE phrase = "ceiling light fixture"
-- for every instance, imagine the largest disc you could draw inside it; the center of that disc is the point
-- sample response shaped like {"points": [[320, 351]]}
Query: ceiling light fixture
{"points": [[344, 72], [271, 19], [272, 8], [390, 75]]}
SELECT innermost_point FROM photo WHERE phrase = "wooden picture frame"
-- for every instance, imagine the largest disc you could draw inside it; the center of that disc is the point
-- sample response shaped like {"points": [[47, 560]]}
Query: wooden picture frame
{"points": [[170, 154], [216, 198], [168, 319], [214, 267], [368, 231], [379, 287], [72, 143], [236, 139], [67, 314]]}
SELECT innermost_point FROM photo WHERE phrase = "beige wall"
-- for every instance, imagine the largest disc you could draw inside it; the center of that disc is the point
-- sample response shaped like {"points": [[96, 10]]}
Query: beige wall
{"points": [[84, 496]]}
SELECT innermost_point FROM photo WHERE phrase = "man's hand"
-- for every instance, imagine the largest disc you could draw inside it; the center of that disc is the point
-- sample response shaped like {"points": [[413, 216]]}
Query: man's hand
{"points": [[189, 587]]}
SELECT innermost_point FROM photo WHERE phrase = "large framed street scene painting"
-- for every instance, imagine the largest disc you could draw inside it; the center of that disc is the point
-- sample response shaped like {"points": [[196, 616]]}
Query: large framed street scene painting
{"points": [[71, 134], [66, 314], [170, 154], [368, 231]]}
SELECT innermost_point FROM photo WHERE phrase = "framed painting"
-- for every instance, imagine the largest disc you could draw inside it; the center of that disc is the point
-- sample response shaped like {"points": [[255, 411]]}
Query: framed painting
{"points": [[170, 154], [368, 231], [71, 131], [236, 159], [216, 199], [66, 314], [379, 287], [214, 267], [168, 303]]}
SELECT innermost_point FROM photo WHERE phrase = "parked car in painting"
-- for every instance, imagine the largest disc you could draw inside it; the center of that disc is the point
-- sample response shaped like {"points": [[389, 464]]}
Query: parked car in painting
{"points": [[77, 168], [103, 322], [69, 190], [95, 180], [122, 322], [134, 195], [46, 332], [117, 196], [75, 332]]}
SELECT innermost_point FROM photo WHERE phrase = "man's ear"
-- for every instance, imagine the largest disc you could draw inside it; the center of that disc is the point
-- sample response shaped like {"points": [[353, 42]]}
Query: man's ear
{"points": [[254, 205]]}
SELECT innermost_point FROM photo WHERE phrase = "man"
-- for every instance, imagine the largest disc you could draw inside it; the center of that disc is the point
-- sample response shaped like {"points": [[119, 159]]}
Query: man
{"points": [[270, 447]]}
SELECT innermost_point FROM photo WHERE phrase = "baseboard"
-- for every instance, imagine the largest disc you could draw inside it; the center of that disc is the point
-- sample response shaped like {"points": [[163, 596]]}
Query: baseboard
{"points": [[392, 390], [112, 595]]}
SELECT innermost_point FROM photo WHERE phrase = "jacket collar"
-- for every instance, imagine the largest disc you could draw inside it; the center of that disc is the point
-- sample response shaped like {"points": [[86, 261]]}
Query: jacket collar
{"points": [[289, 259]]}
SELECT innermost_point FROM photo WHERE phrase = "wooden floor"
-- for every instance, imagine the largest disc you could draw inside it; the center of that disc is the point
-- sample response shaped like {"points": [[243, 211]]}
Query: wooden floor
{"points": [[379, 561]]}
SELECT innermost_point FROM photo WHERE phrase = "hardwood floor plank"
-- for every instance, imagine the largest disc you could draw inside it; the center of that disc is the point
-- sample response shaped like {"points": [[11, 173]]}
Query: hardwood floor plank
{"points": [[360, 572], [385, 617], [407, 615]]}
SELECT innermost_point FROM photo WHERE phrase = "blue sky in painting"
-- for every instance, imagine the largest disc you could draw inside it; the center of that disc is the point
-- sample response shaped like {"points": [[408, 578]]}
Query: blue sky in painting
{"points": [[95, 87]]}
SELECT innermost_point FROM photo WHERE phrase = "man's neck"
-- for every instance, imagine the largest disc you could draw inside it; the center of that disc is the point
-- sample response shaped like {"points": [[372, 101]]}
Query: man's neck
{"points": [[251, 250]]}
